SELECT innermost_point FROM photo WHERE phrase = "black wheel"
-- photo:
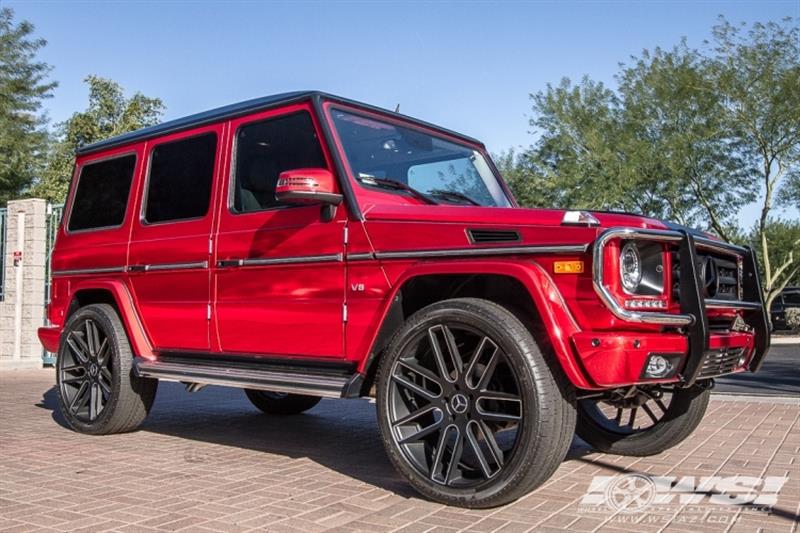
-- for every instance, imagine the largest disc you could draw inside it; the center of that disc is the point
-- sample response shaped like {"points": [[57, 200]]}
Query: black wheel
{"points": [[281, 403], [98, 391], [641, 420], [469, 410]]}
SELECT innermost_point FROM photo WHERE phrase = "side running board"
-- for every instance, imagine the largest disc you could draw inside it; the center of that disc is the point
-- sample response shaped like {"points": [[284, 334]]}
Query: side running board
{"points": [[326, 382]]}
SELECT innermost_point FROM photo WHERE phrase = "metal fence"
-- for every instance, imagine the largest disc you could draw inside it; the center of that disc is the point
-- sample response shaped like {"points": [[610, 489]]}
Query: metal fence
{"points": [[3, 218], [53, 219]]}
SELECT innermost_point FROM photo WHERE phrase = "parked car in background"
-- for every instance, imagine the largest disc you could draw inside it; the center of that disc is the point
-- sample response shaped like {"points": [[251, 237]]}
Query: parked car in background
{"points": [[304, 245], [789, 298]]}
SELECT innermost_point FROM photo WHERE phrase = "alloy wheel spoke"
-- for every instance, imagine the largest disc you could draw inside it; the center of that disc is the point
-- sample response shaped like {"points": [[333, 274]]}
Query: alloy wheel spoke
{"points": [[78, 347], [73, 379], [424, 432], [103, 352], [413, 387], [415, 415], [661, 405], [502, 399], [422, 372], [632, 417], [650, 413], [488, 372], [449, 353], [476, 356], [104, 386], [105, 374], [455, 457], [80, 398], [479, 455], [436, 470], [95, 401], [92, 337], [494, 448]]}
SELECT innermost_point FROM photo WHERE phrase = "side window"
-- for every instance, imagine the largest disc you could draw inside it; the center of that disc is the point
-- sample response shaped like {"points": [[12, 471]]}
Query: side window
{"points": [[102, 195], [267, 148], [180, 180]]}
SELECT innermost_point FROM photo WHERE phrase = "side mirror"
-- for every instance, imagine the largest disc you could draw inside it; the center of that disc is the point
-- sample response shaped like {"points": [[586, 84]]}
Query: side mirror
{"points": [[307, 186]]}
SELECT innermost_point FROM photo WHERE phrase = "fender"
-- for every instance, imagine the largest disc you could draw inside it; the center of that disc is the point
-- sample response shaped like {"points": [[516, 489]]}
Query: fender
{"points": [[557, 319], [130, 318]]}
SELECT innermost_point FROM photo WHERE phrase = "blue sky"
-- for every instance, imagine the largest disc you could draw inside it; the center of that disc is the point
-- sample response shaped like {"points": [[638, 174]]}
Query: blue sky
{"points": [[468, 66]]}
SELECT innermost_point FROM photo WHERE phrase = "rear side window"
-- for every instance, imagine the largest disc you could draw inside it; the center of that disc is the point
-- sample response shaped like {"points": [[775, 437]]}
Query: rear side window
{"points": [[102, 195], [181, 175], [264, 150]]}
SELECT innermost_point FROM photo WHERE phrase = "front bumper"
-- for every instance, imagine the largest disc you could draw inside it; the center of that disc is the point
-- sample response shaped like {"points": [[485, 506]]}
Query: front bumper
{"points": [[618, 359]]}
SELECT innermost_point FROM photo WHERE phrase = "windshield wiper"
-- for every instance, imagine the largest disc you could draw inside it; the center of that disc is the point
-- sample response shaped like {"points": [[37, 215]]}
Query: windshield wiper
{"points": [[453, 195], [398, 186]]}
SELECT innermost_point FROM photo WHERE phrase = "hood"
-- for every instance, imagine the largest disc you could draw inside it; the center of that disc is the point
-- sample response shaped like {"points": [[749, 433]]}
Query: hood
{"points": [[504, 216]]}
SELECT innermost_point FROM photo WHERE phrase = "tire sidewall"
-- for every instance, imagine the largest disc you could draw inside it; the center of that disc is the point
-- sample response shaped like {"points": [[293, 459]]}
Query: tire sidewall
{"points": [[525, 370]]}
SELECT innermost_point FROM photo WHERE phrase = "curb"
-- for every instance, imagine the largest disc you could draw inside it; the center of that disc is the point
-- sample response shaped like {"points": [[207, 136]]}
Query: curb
{"points": [[778, 341], [733, 397]]}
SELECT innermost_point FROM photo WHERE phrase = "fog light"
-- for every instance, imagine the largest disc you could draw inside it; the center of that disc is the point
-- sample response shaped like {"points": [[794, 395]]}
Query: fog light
{"points": [[658, 367], [742, 360]]}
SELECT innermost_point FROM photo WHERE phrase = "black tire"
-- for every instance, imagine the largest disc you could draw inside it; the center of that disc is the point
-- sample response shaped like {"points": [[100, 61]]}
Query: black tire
{"points": [[281, 403], [98, 391], [539, 403], [670, 424]]}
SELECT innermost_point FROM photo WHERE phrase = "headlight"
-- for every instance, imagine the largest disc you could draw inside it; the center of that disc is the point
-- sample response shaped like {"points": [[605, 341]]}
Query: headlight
{"points": [[630, 267]]}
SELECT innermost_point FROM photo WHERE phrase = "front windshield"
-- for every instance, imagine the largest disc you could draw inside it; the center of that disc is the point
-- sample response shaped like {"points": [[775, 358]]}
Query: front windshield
{"points": [[382, 154]]}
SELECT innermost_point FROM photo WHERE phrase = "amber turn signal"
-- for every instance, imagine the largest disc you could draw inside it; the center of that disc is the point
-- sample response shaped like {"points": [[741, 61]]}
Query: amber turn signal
{"points": [[568, 267]]}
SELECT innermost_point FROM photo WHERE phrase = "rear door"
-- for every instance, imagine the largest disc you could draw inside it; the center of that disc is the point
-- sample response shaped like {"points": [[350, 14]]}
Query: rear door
{"points": [[279, 275], [171, 239]]}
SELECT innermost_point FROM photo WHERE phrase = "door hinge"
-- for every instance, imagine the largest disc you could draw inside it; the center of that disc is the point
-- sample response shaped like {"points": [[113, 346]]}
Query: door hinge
{"points": [[346, 235], [344, 312], [208, 312], [210, 245]]}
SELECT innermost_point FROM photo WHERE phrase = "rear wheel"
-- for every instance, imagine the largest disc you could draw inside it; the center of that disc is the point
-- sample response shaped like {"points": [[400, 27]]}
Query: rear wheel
{"points": [[641, 420], [469, 410], [99, 392], [281, 403]]}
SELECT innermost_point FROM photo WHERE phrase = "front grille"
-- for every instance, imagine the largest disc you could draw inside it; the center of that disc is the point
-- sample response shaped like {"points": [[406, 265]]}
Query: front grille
{"points": [[719, 362], [719, 277]]}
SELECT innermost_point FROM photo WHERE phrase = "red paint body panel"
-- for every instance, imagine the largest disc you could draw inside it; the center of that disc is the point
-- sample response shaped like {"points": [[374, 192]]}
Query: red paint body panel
{"points": [[272, 309], [321, 304], [173, 303]]}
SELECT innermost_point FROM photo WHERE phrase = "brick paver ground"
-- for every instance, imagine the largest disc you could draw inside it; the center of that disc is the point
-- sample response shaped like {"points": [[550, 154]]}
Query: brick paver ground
{"points": [[211, 462]]}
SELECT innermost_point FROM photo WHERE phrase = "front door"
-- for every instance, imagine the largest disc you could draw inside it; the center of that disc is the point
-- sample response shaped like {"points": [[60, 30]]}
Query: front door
{"points": [[279, 274], [170, 245]]}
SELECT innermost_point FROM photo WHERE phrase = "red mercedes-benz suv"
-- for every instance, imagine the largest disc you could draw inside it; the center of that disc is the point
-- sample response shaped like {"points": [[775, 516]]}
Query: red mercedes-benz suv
{"points": [[303, 245]]}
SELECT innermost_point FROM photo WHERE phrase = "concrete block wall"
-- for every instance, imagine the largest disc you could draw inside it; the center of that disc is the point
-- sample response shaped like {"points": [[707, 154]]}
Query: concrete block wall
{"points": [[22, 309]]}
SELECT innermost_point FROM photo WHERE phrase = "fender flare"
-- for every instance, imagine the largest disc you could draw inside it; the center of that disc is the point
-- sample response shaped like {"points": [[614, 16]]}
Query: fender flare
{"points": [[127, 309], [557, 319]]}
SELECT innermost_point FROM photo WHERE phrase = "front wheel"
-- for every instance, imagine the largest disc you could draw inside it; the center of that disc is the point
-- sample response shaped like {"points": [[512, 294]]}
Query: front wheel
{"points": [[470, 412], [641, 421]]}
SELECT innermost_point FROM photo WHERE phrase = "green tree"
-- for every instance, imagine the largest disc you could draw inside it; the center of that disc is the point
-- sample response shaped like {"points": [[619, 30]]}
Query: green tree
{"points": [[783, 237], [23, 87], [109, 113], [758, 79], [688, 135]]}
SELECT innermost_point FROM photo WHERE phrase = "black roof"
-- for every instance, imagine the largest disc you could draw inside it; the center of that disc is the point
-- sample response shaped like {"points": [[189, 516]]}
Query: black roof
{"points": [[243, 108]]}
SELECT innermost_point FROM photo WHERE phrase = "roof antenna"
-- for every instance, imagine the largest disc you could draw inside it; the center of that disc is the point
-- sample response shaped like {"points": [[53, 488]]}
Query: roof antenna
{"points": [[397, 109]]}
